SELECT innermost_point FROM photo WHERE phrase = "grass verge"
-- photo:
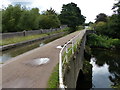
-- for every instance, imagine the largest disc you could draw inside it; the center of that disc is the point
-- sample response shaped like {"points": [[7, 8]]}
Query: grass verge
{"points": [[25, 38], [53, 81], [20, 39]]}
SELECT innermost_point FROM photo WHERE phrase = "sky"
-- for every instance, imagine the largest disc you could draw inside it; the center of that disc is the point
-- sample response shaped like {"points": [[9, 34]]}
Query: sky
{"points": [[89, 8]]}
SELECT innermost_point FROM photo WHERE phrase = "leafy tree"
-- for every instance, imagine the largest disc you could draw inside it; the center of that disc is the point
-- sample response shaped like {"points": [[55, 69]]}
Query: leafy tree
{"points": [[71, 15], [17, 18], [101, 17], [50, 12], [35, 18], [114, 26], [110, 28], [29, 19], [49, 19], [25, 21], [101, 28], [10, 18], [114, 22], [117, 5]]}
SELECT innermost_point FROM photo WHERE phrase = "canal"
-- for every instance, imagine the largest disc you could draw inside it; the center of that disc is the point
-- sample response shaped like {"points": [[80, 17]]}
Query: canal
{"points": [[106, 68], [8, 54]]}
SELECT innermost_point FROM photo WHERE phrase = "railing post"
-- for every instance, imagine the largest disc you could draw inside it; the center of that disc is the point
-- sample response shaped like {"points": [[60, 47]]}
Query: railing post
{"points": [[61, 85], [72, 47], [66, 54]]}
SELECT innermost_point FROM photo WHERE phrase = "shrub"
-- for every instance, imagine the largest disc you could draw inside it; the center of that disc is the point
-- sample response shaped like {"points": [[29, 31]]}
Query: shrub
{"points": [[102, 41]]}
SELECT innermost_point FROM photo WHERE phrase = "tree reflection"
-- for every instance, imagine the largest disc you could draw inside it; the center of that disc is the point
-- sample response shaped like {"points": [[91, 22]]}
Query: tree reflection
{"points": [[112, 59]]}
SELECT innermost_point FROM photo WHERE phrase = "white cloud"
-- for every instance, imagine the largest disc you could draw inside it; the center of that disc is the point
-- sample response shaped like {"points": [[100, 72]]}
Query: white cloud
{"points": [[89, 8], [4, 3]]}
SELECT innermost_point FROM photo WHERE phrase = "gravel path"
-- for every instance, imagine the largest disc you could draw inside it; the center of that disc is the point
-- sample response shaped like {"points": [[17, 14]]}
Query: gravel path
{"points": [[24, 71]]}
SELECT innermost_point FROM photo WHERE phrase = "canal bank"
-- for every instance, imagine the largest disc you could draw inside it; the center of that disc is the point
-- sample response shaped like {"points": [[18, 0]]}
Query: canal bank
{"points": [[10, 46], [104, 55], [15, 51]]}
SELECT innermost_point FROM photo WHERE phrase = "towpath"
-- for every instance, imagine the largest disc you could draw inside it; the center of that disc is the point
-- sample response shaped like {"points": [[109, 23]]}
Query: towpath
{"points": [[23, 72]]}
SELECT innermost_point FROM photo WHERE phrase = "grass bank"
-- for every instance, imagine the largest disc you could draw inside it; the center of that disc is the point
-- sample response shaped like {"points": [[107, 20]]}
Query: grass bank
{"points": [[53, 81], [20, 39], [25, 38]]}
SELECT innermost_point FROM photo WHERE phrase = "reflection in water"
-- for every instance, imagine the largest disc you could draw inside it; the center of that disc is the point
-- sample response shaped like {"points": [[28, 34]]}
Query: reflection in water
{"points": [[4, 57], [106, 68], [100, 75]]}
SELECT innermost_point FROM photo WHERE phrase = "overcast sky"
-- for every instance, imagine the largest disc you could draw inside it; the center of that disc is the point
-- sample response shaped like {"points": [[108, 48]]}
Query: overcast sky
{"points": [[89, 8]]}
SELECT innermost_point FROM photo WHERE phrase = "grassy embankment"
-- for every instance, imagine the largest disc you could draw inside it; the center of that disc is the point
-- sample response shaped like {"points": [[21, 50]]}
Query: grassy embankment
{"points": [[53, 81]]}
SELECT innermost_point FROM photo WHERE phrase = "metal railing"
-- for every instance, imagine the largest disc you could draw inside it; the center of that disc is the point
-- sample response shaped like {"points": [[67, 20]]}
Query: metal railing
{"points": [[64, 56]]}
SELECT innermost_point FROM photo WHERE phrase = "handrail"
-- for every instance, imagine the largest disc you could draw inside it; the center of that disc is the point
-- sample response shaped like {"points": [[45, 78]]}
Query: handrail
{"points": [[61, 84]]}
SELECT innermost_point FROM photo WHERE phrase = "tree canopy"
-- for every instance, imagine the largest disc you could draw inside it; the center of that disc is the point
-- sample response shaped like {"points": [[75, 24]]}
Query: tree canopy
{"points": [[110, 28], [71, 15], [49, 19], [101, 17], [17, 18]]}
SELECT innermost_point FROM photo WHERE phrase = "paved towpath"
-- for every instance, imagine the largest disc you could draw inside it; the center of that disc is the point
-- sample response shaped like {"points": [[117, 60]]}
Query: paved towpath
{"points": [[22, 72]]}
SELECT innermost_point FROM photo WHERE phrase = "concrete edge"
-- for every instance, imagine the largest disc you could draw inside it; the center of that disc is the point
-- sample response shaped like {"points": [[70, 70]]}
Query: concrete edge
{"points": [[6, 47]]}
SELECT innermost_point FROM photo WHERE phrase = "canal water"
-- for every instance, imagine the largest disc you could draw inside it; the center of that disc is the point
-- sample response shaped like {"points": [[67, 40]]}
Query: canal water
{"points": [[106, 68], [8, 54]]}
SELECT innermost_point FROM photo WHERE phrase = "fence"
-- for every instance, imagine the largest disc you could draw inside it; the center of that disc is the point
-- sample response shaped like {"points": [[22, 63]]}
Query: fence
{"points": [[32, 32], [66, 52]]}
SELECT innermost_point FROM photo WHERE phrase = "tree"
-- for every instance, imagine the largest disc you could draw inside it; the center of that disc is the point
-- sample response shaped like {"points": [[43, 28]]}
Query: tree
{"points": [[34, 18], [114, 22], [17, 18], [101, 17], [10, 18], [114, 26], [117, 5], [49, 12], [71, 15], [101, 28], [49, 19]]}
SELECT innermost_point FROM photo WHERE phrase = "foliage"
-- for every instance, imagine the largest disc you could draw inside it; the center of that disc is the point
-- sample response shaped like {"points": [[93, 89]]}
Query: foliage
{"points": [[54, 80], [29, 19], [114, 26], [17, 18], [80, 27], [102, 41], [71, 16], [49, 21], [101, 28], [101, 17], [110, 28], [10, 18], [49, 12], [117, 5]]}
